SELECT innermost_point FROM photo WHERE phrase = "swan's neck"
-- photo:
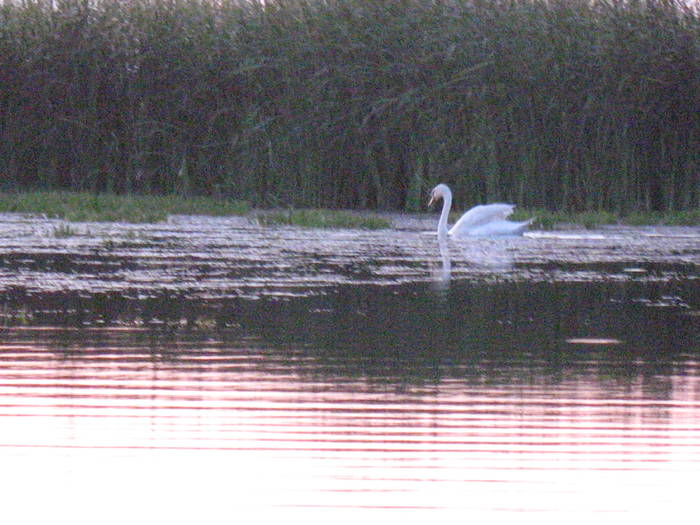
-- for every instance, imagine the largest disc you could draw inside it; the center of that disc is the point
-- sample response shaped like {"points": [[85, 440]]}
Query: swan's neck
{"points": [[442, 223]]}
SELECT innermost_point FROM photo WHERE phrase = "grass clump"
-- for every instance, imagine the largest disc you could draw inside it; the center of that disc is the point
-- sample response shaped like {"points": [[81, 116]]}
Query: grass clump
{"points": [[593, 219], [643, 218], [682, 218], [101, 207], [549, 220], [64, 230], [669, 218], [316, 218]]}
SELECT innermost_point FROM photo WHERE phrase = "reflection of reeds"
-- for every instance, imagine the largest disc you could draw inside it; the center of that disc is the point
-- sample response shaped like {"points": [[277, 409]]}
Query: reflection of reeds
{"points": [[563, 104]]}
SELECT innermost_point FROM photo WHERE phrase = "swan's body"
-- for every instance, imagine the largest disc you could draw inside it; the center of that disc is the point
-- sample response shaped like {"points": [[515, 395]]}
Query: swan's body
{"points": [[485, 220]]}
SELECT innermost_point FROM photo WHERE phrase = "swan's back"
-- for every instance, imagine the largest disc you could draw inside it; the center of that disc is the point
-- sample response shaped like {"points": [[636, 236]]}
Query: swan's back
{"points": [[498, 227], [481, 215]]}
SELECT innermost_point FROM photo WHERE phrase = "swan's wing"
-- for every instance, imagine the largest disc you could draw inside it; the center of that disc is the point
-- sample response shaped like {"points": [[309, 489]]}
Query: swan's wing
{"points": [[499, 227], [481, 214]]}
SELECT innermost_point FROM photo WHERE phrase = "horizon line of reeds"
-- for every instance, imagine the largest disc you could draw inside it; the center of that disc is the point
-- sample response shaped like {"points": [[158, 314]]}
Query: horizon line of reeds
{"points": [[560, 104]]}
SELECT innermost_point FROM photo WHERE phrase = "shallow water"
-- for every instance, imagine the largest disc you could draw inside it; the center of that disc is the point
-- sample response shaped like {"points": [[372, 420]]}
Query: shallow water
{"points": [[203, 368]]}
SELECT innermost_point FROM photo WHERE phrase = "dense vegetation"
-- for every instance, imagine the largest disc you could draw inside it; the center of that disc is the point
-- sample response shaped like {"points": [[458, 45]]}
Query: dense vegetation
{"points": [[559, 104]]}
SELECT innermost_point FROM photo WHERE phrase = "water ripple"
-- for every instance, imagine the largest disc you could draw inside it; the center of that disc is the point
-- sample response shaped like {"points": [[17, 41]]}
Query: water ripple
{"points": [[261, 428], [227, 257]]}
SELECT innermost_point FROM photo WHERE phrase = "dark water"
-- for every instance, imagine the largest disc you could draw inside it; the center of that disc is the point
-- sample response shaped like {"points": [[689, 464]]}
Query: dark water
{"points": [[199, 370]]}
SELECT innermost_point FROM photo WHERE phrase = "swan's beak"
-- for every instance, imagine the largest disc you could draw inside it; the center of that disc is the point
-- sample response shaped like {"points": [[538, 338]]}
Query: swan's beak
{"points": [[431, 201]]}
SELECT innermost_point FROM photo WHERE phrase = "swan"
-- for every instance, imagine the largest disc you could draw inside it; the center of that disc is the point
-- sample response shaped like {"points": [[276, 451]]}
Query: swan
{"points": [[484, 220]]}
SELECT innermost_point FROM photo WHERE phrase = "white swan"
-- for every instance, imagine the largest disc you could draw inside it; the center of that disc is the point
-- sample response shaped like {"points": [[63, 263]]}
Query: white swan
{"points": [[484, 220]]}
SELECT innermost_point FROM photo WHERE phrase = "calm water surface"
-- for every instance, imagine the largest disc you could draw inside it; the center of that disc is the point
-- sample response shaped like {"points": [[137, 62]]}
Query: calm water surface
{"points": [[202, 369]]}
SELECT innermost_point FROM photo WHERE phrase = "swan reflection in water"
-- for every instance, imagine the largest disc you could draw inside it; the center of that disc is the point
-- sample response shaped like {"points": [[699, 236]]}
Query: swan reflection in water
{"points": [[478, 255], [441, 275]]}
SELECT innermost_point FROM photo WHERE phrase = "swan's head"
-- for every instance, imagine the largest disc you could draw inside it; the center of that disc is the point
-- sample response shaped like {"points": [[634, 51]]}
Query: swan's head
{"points": [[439, 192]]}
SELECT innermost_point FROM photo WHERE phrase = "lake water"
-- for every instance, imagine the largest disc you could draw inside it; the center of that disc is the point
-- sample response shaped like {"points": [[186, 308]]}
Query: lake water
{"points": [[205, 370]]}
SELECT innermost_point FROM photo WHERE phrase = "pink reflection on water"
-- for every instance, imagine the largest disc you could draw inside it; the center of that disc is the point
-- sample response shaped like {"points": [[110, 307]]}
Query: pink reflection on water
{"points": [[112, 432]]}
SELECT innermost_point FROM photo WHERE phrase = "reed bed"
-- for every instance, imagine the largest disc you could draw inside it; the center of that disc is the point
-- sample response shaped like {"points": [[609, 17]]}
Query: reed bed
{"points": [[563, 105]]}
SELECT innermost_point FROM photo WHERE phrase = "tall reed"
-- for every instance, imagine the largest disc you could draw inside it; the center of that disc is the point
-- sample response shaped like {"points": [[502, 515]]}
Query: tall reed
{"points": [[559, 104]]}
